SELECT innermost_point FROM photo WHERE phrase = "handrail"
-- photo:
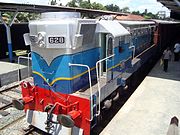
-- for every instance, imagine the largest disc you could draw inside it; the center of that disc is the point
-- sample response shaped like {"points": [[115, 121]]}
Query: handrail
{"points": [[23, 57], [29, 62], [98, 79], [90, 84], [134, 49]]}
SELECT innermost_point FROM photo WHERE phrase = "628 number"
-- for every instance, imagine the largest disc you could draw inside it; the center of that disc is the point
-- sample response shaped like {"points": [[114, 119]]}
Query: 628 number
{"points": [[56, 40]]}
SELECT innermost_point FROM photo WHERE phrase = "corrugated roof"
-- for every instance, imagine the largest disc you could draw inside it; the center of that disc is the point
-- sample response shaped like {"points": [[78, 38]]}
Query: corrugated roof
{"points": [[137, 22], [130, 17]]}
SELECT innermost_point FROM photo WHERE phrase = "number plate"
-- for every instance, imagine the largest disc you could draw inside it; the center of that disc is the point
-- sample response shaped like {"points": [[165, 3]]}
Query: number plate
{"points": [[56, 40]]}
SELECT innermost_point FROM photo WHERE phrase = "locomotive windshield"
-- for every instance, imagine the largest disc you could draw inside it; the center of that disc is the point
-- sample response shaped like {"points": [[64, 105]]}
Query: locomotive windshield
{"points": [[87, 30]]}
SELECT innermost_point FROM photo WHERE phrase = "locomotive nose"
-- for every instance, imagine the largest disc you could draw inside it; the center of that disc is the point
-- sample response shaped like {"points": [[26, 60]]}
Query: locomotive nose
{"points": [[18, 104]]}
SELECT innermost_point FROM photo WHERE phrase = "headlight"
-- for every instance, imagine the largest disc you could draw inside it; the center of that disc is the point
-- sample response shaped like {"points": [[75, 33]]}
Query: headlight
{"points": [[41, 39], [41, 44]]}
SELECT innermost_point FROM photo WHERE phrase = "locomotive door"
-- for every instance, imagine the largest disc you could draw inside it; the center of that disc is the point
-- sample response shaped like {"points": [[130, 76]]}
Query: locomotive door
{"points": [[109, 52]]}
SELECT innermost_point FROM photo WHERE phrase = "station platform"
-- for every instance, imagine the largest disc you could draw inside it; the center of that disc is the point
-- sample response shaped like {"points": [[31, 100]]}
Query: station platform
{"points": [[9, 72], [150, 108]]}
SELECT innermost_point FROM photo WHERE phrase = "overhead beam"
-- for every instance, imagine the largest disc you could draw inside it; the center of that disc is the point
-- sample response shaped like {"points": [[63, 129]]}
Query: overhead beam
{"points": [[177, 2], [49, 8], [172, 3], [173, 7]]}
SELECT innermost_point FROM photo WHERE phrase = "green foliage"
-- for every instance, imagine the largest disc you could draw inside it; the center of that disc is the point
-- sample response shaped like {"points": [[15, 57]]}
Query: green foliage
{"points": [[72, 3], [53, 2], [149, 15], [125, 10], [97, 6], [25, 17], [21, 17], [146, 15], [136, 13], [113, 8], [85, 4]]}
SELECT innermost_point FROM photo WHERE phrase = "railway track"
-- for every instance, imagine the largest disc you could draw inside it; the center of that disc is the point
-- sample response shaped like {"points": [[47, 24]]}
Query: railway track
{"points": [[6, 96], [29, 131], [12, 121]]}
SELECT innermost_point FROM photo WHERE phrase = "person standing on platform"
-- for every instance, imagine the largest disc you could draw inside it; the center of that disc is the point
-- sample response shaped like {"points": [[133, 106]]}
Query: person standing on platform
{"points": [[176, 52], [166, 57]]}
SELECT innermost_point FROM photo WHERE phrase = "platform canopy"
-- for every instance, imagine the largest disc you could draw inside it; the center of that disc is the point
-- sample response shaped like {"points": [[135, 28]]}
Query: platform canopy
{"points": [[13, 7], [174, 6]]}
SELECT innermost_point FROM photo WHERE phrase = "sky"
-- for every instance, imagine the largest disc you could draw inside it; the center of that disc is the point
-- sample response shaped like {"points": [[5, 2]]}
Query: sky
{"points": [[134, 5]]}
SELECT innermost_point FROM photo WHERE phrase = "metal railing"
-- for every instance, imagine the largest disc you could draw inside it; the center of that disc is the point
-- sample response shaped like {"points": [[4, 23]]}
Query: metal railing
{"points": [[134, 49], [98, 79], [90, 85], [23, 57]]}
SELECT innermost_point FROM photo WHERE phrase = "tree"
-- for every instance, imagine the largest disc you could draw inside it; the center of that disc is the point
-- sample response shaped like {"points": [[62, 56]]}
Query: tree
{"points": [[145, 11], [149, 15], [97, 6], [146, 14], [113, 8], [25, 17], [21, 17], [85, 4], [53, 2], [136, 13], [125, 10], [72, 3]]}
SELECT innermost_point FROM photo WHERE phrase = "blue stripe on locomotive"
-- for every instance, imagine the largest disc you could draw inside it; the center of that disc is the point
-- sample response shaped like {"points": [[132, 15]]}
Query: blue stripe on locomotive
{"points": [[67, 79]]}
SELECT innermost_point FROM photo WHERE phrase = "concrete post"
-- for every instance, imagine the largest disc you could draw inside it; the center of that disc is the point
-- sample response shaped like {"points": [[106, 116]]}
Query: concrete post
{"points": [[9, 41], [8, 34]]}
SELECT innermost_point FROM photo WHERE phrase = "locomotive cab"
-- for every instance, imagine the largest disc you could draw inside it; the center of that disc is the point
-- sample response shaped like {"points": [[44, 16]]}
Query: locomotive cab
{"points": [[113, 48]]}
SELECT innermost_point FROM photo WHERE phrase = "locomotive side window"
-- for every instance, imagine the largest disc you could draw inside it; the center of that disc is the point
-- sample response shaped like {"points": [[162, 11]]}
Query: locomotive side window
{"points": [[120, 47], [110, 46], [127, 39]]}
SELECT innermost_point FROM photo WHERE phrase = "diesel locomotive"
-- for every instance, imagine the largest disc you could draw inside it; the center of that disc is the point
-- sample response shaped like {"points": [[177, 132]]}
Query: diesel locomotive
{"points": [[78, 66]]}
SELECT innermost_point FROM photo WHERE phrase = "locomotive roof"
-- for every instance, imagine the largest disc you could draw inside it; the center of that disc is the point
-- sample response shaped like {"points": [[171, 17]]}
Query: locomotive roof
{"points": [[113, 27], [137, 22]]}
